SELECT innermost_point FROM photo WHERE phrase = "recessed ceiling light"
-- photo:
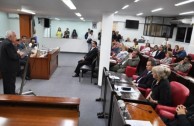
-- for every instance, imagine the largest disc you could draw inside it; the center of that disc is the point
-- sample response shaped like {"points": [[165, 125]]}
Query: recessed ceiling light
{"points": [[184, 2], [78, 14], [139, 14], [27, 11], [158, 9], [125, 7], [82, 18], [185, 13], [116, 12], [136, 0], [70, 4]]}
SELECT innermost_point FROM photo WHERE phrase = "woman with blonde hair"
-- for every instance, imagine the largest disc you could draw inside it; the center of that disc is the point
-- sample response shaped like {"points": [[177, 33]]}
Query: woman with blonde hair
{"points": [[168, 59], [161, 93]]}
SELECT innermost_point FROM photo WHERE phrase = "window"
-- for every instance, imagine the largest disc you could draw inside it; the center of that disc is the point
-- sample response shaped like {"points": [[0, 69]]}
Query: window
{"points": [[184, 34], [158, 27], [189, 33]]}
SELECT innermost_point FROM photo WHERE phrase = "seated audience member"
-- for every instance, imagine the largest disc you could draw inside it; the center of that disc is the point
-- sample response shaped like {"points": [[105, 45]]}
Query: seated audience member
{"points": [[23, 43], [118, 36], [88, 58], [181, 53], [154, 50], [131, 60], [160, 93], [166, 42], [115, 49], [121, 55], [146, 49], [169, 47], [135, 46], [184, 117], [128, 40], [168, 59], [183, 65], [74, 34], [146, 79], [175, 50], [160, 53]]}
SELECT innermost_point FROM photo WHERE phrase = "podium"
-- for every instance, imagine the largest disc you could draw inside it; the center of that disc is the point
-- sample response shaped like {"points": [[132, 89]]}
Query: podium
{"points": [[43, 67]]}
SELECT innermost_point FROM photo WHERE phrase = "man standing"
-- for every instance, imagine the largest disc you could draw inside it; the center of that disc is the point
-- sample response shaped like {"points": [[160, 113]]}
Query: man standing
{"points": [[88, 58], [9, 62]]}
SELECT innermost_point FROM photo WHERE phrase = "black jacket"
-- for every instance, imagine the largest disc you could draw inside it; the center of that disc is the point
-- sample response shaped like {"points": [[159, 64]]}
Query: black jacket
{"points": [[159, 55], [146, 79], [9, 59], [92, 54], [162, 92]]}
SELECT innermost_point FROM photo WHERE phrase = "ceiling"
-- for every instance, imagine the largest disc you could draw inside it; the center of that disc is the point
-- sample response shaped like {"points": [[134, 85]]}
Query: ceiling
{"points": [[92, 10]]}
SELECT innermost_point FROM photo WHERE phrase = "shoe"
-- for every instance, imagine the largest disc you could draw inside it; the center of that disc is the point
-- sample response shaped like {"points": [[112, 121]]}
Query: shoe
{"points": [[27, 78], [98, 99], [76, 75]]}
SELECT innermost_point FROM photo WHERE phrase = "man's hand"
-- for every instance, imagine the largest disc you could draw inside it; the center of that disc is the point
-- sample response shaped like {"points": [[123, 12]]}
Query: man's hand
{"points": [[181, 110]]}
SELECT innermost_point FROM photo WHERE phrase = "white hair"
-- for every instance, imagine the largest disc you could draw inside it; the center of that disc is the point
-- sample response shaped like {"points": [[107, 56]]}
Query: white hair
{"points": [[9, 33], [161, 71]]}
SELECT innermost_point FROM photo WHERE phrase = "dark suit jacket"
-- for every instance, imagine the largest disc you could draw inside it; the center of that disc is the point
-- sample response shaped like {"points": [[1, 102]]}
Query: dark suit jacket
{"points": [[91, 55], [146, 79], [9, 59], [159, 55], [161, 92]]}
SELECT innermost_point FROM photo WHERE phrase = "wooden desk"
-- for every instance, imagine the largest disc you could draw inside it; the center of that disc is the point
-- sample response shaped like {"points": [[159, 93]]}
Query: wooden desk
{"points": [[43, 68], [18, 110], [137, 113]]}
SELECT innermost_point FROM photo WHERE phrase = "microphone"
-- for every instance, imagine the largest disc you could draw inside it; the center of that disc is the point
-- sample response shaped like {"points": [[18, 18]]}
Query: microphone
{"points": [[145, 102], [150, 111]]}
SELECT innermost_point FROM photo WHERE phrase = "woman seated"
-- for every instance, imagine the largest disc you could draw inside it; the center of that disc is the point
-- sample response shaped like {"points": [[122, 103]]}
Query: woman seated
{"points": [[160, 93], [120, 56], [135, 46], [175, 50], [146, 49], [168, 59]]}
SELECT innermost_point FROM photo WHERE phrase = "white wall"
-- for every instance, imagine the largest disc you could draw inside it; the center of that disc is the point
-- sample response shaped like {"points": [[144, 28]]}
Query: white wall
{"points": [[14, 25], [4, 24]]}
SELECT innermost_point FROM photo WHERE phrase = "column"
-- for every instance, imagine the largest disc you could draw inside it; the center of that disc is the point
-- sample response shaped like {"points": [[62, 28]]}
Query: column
{"points": [[191, 45], [106, 39]]}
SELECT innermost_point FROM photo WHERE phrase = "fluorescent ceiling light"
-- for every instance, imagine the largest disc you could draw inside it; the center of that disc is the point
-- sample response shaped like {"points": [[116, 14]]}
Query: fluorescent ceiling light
{"points": [[27, 11], [82, 18], [116, 12], [184, 2], [78, 14], [136, 0], [70, 4], [139, 14], [159, 9], [185, 13], [125, 7]]}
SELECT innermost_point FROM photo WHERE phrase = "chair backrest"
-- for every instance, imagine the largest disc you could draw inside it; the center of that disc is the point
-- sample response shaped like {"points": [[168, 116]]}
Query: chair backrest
{"points": [[141, 47], [173, 59], [191, 55], [179, 93]]}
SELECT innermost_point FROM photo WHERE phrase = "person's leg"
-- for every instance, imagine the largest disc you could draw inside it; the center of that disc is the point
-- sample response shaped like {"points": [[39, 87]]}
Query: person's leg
{"points": [[79, 65], [121, 70], [115, 68], [9, 82]]}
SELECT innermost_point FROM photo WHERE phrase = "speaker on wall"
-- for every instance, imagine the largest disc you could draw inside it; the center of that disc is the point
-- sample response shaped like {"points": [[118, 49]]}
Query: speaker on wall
{"points": [[46, 23]]}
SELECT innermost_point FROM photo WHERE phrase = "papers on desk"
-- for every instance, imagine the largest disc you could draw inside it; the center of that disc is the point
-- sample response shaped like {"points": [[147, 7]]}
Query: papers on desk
{"points": [[138, 123], [121, 88], [114, 77]]}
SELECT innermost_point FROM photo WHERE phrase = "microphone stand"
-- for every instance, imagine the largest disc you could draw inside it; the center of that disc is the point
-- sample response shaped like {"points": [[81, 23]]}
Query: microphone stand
{"points": [[30, 92]]}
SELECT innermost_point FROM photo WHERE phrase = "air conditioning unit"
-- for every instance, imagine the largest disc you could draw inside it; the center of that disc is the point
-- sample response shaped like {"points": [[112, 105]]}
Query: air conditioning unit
{"points": [[13, 16], [181, 21]]}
